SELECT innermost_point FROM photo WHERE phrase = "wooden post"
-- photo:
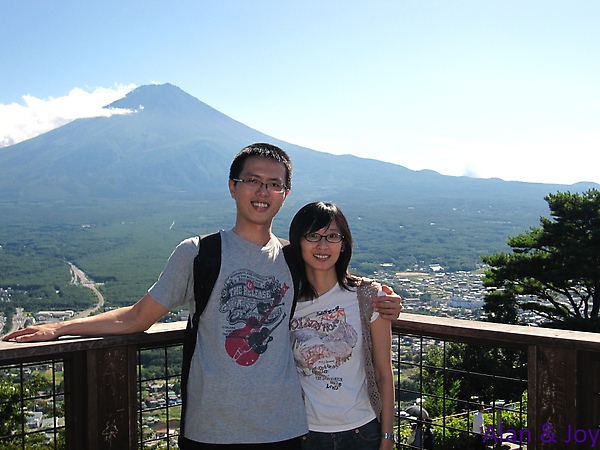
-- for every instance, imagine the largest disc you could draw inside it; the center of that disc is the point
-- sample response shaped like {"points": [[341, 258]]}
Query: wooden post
{"points": [[111, 381], [552, 390]]}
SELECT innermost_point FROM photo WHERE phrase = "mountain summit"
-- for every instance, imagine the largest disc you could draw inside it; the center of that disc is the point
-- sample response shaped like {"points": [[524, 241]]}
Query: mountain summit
{"points": [[177, 116]]}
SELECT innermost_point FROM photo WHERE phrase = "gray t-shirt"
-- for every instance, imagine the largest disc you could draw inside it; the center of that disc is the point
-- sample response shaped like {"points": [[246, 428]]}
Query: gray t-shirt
{"points": [[243, 386]]}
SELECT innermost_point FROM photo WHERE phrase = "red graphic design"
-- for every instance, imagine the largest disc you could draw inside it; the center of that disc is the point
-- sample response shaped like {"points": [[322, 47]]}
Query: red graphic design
{"points": [[246, 344]]}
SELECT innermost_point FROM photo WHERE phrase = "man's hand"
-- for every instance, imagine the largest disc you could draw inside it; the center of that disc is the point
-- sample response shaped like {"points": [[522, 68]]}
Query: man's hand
{"points": [[124, 320], [388, 306], [34, 333]]}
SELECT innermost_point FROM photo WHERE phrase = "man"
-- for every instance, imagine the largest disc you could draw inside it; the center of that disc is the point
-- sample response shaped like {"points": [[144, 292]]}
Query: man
{"points": [[478, 428], [238, 395]]}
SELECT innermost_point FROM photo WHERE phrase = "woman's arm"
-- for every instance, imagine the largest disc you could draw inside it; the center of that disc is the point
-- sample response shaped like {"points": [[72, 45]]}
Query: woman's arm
{"points": [[381, 334], [127, 320]]}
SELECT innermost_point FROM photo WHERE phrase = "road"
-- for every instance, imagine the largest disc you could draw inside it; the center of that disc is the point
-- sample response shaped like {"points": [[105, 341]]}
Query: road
{"points": [[18, 320], [79, 277]]}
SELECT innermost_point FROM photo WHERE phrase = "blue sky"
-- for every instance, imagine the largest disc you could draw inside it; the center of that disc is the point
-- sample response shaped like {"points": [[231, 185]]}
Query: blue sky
{"points": [[485, 88]]}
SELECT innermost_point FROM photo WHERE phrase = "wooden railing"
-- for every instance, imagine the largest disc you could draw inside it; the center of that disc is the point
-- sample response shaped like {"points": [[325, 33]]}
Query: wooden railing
{"points": [[563, 375]]}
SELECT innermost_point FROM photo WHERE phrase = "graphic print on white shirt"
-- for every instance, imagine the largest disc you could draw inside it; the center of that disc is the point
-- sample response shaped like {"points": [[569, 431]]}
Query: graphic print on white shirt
{"points": [[255, 302], [323, 341]]}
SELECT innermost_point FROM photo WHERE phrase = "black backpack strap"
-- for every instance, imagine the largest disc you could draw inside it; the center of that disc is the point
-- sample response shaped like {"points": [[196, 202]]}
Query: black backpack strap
{"points": [[207, 265], [292, 261]]}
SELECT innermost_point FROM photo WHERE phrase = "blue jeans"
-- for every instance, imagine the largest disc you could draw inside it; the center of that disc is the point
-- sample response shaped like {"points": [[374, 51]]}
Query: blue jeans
{"points": [[367, 437], [292, 444]]}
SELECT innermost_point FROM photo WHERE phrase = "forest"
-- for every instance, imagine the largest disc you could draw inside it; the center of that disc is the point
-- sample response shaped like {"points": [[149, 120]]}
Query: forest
{"points": [[124, 246]]}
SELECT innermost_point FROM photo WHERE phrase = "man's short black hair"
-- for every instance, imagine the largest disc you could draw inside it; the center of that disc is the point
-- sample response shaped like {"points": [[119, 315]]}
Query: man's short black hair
{"points": [[266, 151]]}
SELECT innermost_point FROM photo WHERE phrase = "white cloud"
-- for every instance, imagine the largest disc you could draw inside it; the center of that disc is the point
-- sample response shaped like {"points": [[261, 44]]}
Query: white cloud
{"points": [[19, 122], [547, 156]]}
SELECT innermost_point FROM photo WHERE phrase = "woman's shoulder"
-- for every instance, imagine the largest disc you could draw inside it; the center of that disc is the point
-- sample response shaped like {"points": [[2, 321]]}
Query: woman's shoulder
{"points": [[365, 282], [367, 289]]}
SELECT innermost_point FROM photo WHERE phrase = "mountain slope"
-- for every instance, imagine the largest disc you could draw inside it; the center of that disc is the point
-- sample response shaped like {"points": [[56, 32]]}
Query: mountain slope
{"points": [[170, 142]]}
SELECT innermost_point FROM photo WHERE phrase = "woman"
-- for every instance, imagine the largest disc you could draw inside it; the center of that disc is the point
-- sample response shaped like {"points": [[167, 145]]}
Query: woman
{"points": [[341, 348]]}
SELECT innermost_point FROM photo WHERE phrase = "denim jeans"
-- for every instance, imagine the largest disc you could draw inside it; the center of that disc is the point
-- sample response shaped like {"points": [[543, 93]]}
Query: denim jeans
{"points": [[292, 444], [367, 437]]}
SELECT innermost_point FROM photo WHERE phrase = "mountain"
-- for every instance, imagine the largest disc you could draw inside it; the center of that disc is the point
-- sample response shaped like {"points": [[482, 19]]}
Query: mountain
{"points": [[172, 152], [173, 143], [170, 142]]}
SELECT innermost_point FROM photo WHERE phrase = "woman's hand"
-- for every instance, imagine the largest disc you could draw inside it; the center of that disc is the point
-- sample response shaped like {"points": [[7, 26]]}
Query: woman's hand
{"points": [[389, 305], [386, 444]]}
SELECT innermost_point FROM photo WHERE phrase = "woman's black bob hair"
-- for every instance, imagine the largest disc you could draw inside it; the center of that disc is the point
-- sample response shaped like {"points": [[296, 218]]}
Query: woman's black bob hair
{"points": [[311, 218]]}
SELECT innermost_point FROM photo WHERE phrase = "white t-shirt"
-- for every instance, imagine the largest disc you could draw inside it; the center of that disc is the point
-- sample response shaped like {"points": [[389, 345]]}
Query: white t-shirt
{"points": [[328, 349]]}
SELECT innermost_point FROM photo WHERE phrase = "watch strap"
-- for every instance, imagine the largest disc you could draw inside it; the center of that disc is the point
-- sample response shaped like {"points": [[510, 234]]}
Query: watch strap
{"points": [[391, 436]]}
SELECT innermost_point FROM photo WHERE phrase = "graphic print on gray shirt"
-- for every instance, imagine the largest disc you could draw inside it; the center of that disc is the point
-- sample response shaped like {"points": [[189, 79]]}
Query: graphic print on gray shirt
{"points": [[254, 301]]}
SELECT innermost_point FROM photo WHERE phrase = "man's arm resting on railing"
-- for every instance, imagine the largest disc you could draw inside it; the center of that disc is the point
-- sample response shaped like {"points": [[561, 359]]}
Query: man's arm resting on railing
{"points": [[126, 320]]}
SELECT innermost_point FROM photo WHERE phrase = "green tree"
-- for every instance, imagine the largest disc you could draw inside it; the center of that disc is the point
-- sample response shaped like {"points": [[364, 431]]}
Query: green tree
{"points": [[459, 371], [10, 411], [554, 270], [12, 416]]}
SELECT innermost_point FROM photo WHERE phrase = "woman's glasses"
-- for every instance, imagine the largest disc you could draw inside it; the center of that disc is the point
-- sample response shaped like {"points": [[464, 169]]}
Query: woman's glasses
{"points": [[332, 238]]}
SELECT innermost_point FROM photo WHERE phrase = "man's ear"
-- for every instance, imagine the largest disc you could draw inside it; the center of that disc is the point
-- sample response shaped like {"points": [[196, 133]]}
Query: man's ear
{"points": [[285, 196], [231, 185]]}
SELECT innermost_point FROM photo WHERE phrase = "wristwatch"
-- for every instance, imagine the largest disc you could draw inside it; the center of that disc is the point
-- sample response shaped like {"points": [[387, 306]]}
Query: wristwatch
{"points": [[391, 436]]}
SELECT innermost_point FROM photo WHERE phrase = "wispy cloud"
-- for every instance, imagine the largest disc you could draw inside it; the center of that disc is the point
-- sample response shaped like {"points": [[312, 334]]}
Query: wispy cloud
{"points": [[542, 156], [19, 122]]}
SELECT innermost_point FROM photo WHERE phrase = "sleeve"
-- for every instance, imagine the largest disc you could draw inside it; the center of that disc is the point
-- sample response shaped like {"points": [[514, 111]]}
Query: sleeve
{"points": [[367, 291], [175, 285]]}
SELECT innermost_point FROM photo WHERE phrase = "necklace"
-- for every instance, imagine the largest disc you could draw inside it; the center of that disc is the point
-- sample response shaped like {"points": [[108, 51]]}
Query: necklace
{"points": [[320, 293]]}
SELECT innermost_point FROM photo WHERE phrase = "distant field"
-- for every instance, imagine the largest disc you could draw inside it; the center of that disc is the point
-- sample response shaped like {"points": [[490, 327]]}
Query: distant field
{"points": [[124, 245], [125, 248]]}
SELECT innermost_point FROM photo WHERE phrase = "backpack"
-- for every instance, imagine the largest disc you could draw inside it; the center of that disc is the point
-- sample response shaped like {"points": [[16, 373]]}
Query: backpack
{"points": [[207, 265]]}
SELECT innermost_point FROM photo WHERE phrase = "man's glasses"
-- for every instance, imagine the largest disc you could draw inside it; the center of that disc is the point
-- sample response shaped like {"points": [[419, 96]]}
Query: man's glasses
{"points": [[332, 238], [253, 183]]}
